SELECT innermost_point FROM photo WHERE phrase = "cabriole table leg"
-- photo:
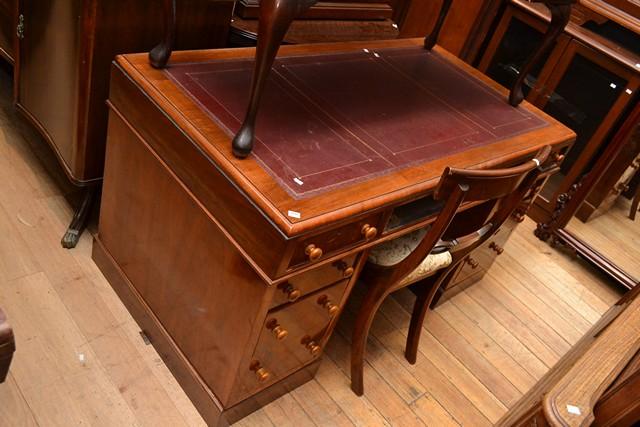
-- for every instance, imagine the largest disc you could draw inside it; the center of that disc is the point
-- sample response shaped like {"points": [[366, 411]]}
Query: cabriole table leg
{"points": [[560, 14], [159, 56]]}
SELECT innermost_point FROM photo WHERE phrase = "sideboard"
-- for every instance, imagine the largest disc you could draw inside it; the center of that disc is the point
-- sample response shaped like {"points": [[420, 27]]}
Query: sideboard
{"points": [[62, 51]]}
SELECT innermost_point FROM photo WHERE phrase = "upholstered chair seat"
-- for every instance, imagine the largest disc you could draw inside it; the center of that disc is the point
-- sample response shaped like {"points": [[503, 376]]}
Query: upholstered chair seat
{"points": [[393, 251]]}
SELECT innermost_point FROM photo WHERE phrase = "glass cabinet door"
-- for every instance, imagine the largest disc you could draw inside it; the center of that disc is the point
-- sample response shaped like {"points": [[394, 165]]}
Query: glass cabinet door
{"points": [[589, 93], [515, 38]]}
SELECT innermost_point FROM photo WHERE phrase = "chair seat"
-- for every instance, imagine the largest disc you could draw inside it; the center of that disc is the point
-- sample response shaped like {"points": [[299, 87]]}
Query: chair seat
{"points": [[393, 251]]}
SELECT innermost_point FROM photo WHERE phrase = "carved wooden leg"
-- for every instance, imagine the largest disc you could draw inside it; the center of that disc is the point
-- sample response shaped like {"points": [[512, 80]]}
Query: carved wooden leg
{"points": [[431, 40], [368, 309], [275, 19], [560, 14], [426, 291], [159, 55], [80, 218]]}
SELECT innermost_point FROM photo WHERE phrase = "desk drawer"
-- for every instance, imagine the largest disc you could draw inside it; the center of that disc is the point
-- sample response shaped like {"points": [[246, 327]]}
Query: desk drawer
{"points": [[315, 248], [305, 283], [291, 337]]}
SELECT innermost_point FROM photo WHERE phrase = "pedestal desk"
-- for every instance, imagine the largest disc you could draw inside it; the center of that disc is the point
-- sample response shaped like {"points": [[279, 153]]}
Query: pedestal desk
{"points": [[237, 270]]}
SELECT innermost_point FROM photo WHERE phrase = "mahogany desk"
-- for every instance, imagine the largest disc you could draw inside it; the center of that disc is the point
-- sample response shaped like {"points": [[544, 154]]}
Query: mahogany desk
{"points": [[237, 270]]}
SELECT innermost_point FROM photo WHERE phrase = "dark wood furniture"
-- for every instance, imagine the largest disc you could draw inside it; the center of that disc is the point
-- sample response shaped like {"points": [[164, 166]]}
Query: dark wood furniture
{"points": [[8, 29], [614, 182], [596, 383], [244, 32], [635, 201], [275, 19], [237, 269], [62, 71], [337, 9], [455, 233], [569, 202], [599, 51], [7, 346]]}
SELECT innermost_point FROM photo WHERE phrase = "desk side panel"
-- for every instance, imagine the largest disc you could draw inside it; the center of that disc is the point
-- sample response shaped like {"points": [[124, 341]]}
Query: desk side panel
{"points": [[199, 286], [252, 231]]}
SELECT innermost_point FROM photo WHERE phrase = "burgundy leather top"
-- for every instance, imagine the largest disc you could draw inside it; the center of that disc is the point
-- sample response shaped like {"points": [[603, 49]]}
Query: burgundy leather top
{"points": [[332, 119]]}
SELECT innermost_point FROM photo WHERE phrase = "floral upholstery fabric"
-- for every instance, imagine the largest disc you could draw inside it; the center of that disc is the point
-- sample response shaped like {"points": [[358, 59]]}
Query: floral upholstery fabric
{"points": [[393, 251]]}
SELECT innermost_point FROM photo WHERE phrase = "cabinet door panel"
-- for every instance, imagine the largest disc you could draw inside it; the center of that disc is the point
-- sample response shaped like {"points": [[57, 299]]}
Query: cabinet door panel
{"points": [[7, 28], [48, 70]]}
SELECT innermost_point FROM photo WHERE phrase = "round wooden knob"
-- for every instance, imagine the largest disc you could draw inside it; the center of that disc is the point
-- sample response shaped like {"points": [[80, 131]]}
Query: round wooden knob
{"points": [[278, 331], [472, 262], [497, 249], [369, 232], [331, 308], [292, 293], [347, 270], [313, 252], [313, 348], [262, 374]]}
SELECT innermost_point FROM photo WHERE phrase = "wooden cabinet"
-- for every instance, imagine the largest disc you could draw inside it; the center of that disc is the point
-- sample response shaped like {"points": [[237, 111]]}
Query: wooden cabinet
{"points": [[63, 59], [8, 28], [589, 81]]}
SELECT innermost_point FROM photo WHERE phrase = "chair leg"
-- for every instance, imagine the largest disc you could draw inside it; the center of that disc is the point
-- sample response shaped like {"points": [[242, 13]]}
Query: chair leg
{"points": [[635, 204], [560, 14], [368, 309], [275, 18], [159, 55], [431, 40], [427, 290]]}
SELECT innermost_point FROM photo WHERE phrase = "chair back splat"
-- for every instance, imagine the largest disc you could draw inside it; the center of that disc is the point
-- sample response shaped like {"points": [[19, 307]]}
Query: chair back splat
{"points": [[475, 205]]}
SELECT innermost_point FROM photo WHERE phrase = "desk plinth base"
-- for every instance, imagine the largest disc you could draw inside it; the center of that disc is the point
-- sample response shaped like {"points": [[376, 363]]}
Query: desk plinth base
{"points": [[201, 396]]}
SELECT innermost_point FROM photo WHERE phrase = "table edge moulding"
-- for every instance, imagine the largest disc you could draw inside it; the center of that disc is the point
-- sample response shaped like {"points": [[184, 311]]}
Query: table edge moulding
{"points": [[319, 210]]}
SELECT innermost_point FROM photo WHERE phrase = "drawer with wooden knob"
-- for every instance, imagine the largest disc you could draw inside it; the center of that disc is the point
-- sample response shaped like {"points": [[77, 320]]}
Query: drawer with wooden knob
{"points": [[302, 284], [316, 248], [291, 337]]}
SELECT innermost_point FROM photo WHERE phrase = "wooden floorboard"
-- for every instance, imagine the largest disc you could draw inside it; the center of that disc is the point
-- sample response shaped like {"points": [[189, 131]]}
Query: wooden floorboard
{"points": [[81, 360]]}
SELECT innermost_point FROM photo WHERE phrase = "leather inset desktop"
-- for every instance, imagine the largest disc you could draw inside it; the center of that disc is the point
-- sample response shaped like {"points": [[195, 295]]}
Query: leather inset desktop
{"points": [[329, 120]]}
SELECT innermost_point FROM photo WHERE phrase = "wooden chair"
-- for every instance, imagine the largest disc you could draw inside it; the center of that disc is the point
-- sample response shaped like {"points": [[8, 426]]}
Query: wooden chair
{"points": [[635, 202], [7, 346], [430, 258]]}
